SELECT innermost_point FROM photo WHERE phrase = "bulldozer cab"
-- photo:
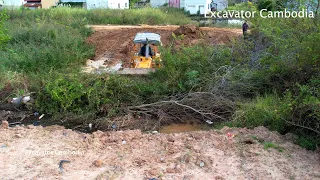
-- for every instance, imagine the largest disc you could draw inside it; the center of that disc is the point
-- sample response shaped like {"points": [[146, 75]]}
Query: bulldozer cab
{"points": [[146, 51]]}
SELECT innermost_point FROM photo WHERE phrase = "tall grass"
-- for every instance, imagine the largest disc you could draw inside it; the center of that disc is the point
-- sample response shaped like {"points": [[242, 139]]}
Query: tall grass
{"points": [[71, 16], [44, 46]]}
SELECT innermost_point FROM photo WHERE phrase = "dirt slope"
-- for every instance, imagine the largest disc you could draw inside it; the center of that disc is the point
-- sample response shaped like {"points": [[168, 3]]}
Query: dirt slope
{"points": [[113, 43], [35, 153]]}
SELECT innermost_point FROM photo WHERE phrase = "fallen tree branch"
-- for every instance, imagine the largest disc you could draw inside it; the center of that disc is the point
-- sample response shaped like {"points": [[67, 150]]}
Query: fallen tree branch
{"points": [[198, 105], [304, 127]]}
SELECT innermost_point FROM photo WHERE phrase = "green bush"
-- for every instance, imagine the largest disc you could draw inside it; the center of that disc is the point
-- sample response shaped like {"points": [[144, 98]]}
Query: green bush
{"points": [[270, 111], [284, 55], [308, 142], [306, 107], [245, 6], [82, 93], [4, 38], [192, 67], [270, 5]]}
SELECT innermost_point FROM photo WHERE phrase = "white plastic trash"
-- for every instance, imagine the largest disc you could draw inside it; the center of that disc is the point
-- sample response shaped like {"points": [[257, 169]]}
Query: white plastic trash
{"points": [[41, 116], [26, 99]]}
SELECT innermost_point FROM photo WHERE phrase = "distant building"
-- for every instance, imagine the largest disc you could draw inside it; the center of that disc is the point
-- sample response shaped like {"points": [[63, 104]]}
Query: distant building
{"points": [[158, 3], [174, 3], [203, 6], [141, 4], [193, 6], [169, 3], [49, 3], [111, 4], [73, 3], [32, 4], [11, 3], [37, 4]]}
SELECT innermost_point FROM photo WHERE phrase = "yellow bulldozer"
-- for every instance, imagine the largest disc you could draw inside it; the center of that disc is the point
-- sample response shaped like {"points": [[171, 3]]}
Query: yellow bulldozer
{"points": [[146, 56]]}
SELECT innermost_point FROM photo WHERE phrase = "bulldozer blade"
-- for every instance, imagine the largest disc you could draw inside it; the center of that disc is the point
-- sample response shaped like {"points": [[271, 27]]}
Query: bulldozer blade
{"points": [[136, 71]]}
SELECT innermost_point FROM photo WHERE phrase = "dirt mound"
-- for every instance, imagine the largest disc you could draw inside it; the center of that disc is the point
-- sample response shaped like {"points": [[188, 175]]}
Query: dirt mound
{"points": [[35, 152], [189, 30]]}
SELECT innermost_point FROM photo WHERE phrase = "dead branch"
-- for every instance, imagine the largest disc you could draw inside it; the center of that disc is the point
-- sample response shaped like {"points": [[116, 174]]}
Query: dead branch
{"points": [[304, 127], [198, 105]]}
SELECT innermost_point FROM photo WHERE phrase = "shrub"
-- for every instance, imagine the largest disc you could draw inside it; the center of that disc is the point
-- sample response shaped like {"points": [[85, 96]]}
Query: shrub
{"points": [[270, 111], [81, 93], [306, 107], [279, 60], [308, 142], [4, 38], [245, 6]]}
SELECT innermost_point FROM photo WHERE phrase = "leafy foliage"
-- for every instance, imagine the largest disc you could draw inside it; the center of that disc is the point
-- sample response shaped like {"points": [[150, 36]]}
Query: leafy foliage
{"points": [[284, 66], [270, 5], [270, 111], [4, 38]]}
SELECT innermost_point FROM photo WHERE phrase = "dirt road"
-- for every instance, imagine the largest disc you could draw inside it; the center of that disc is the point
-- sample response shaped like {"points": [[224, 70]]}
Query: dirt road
{"points": [[35, 153], [114, 43]]}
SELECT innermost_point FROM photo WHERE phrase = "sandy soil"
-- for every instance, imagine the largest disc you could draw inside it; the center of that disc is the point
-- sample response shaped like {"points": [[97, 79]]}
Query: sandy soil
{"points": [[114, 43], [35, 152]]}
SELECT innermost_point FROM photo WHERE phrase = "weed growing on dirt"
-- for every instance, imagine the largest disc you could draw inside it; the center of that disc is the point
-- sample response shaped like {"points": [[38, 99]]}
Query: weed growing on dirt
{"points": [[257, 139], [267, 145]]}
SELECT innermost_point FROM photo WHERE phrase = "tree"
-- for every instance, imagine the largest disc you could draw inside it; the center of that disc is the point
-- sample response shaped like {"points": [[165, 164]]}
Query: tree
{"points": [[271, 5], [317, 8]]}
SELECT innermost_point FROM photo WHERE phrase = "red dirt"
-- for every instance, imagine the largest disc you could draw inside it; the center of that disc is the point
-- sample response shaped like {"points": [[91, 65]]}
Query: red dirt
{"points": [[113, 43], [35, 153]]}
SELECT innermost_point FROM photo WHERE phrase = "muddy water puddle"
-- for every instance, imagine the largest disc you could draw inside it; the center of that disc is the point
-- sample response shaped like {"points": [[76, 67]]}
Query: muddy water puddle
{"points": [[178, 128]]}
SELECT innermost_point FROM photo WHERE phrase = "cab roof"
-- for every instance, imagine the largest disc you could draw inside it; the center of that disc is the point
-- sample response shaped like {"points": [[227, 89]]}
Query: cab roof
{"points": [[147, 38]]}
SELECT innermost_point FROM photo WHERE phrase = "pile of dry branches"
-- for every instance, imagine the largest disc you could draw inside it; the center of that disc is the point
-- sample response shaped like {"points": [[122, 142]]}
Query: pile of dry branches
{"points": [[203, 106]]}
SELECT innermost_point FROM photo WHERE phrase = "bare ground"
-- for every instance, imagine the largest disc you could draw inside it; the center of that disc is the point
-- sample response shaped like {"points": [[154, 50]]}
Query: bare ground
{"points": [[35, 152]]}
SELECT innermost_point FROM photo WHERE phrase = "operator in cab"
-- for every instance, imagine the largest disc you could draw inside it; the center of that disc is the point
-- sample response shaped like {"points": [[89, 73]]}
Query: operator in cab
{"points": [[143, 50]]}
